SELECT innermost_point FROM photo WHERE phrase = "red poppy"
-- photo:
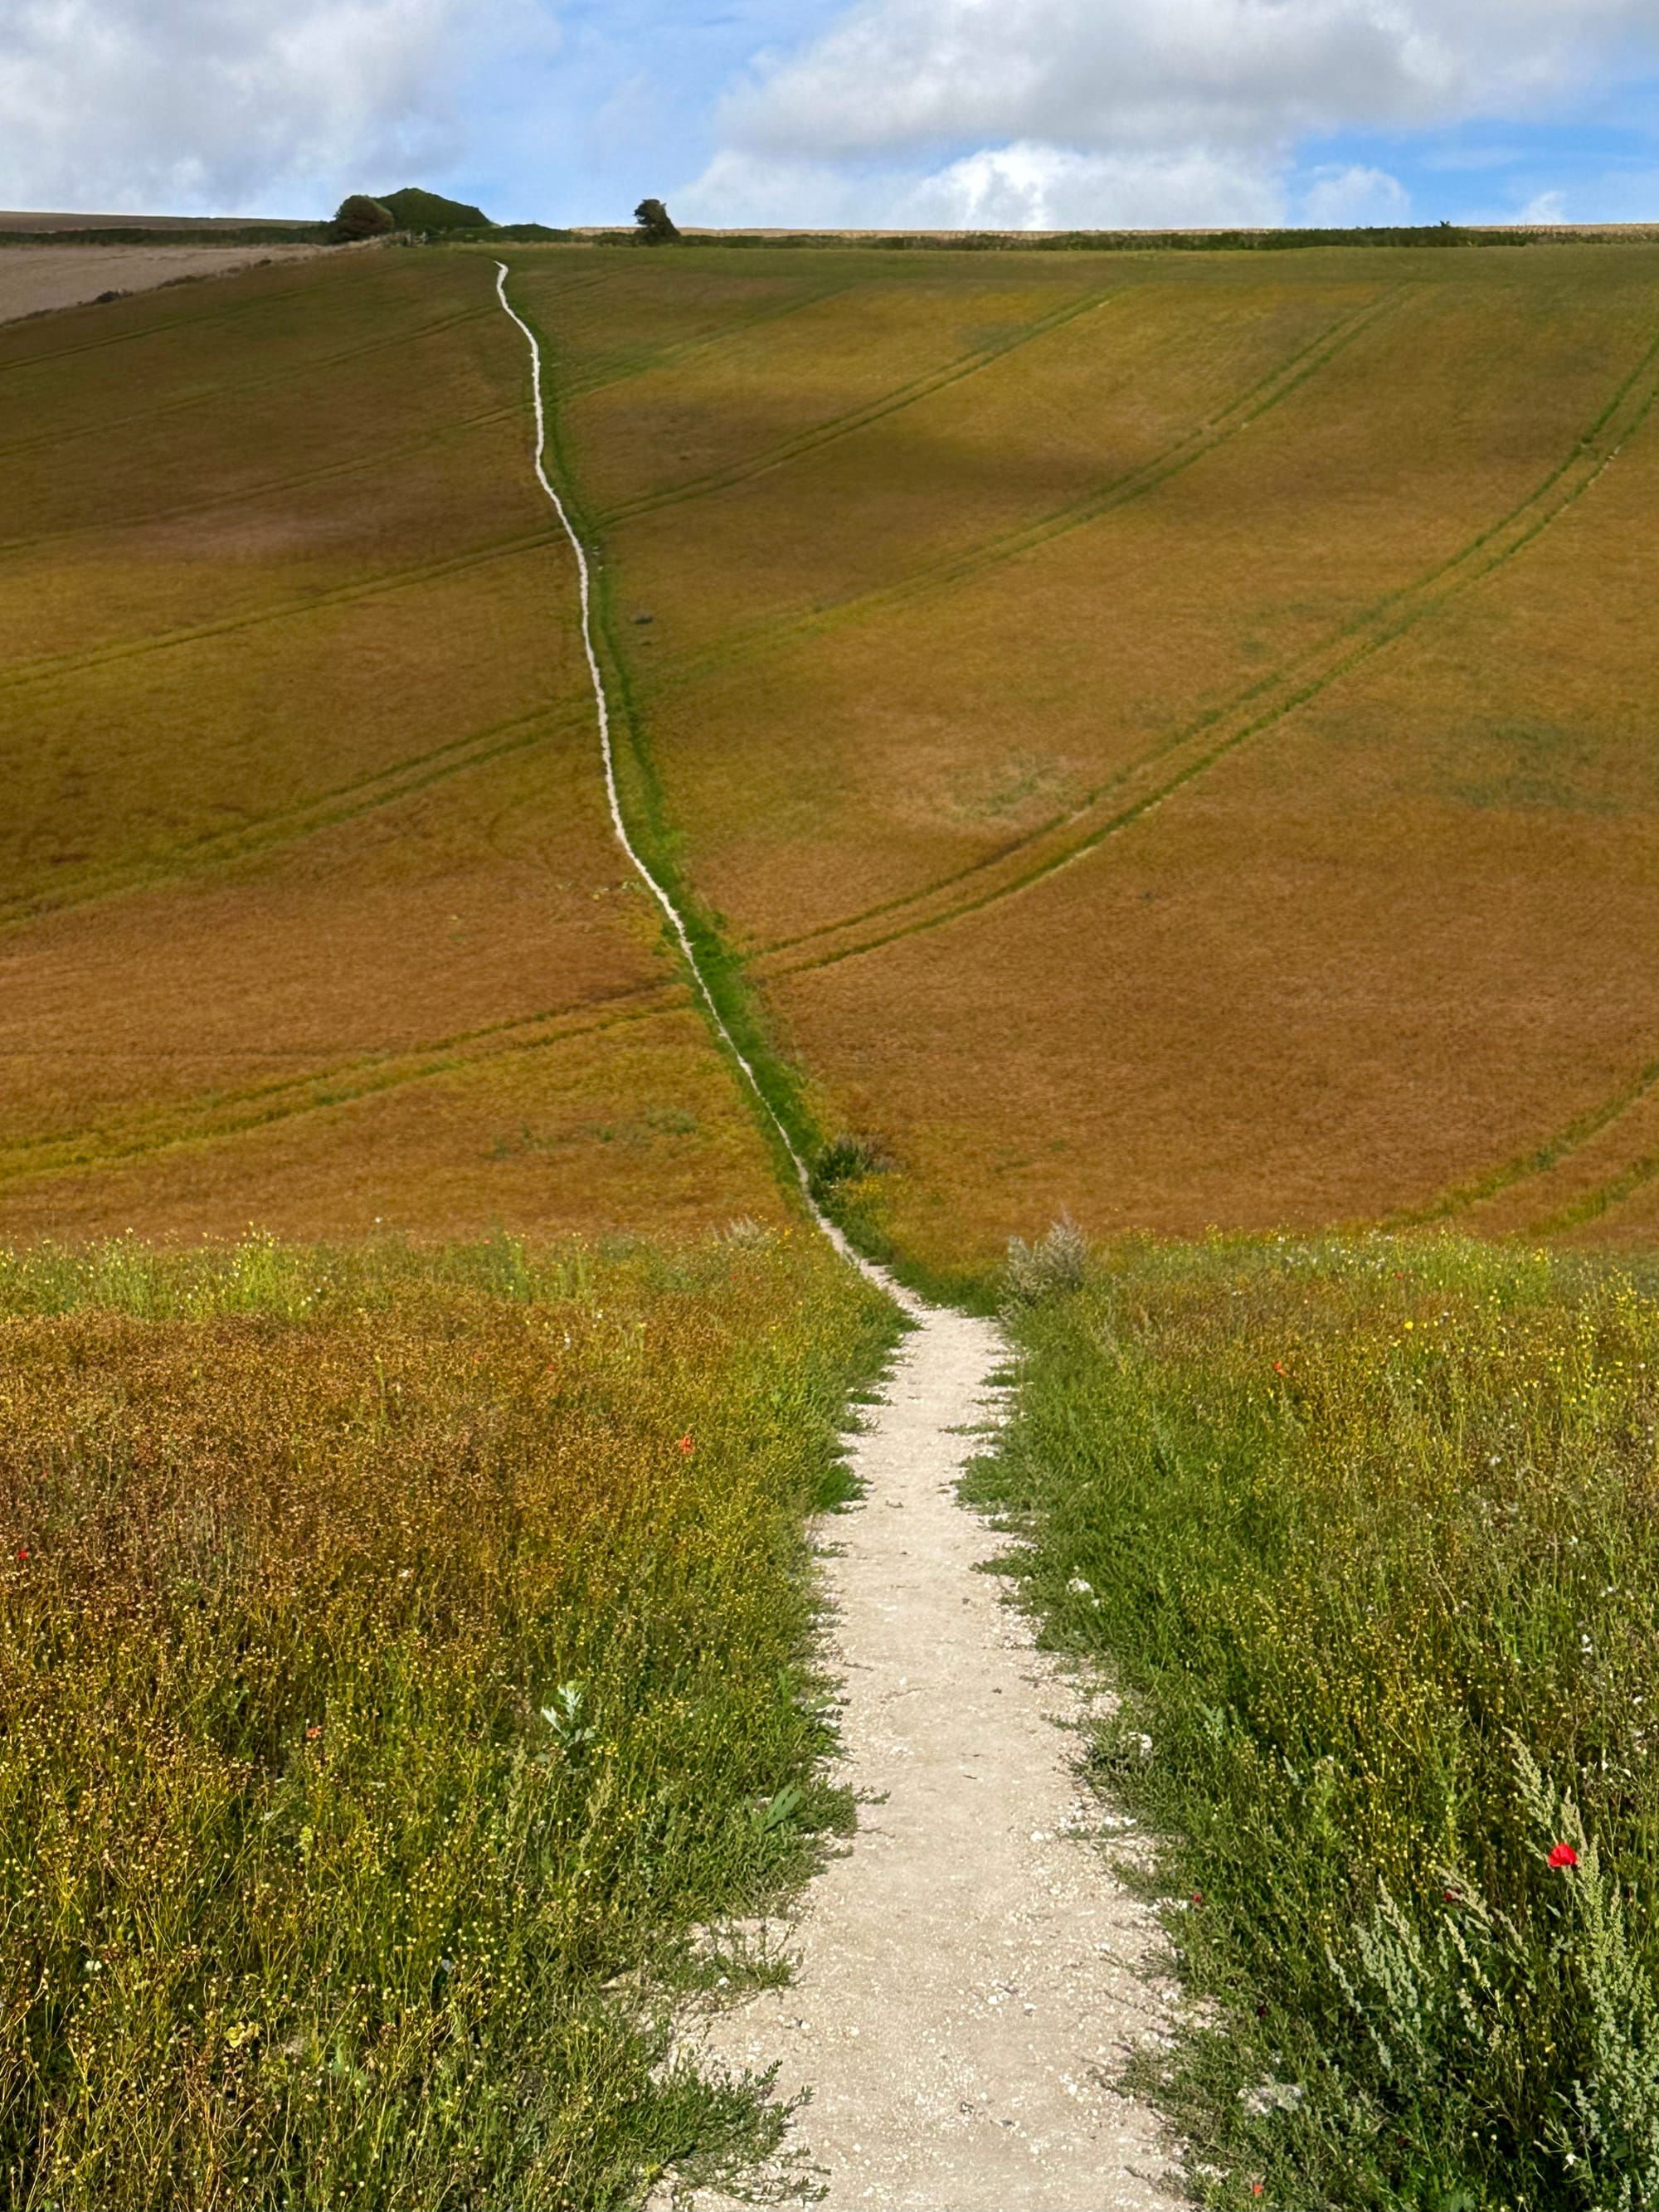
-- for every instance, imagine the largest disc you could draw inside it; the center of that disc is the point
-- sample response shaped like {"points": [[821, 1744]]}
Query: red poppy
{"points": [[1279, 1367], [687, 1446], [311, 1735], [23, 1551], [1563, 1854], [1255, 2189], [1198, 1897]]}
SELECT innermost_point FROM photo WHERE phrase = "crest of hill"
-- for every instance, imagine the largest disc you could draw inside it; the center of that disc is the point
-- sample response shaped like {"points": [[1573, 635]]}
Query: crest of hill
{"points": [[415, 210]]}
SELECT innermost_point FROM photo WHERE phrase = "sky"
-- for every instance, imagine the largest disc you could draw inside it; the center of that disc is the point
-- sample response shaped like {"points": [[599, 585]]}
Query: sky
{"points": [[1003, 114]]}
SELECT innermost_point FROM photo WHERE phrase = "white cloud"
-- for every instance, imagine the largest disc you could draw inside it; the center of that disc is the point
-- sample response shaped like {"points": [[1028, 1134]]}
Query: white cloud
{"points": [[1031, 187], [1047, 113], [178, 105], [1339, 198], [1025, 186], [1544, 207], [1104, 75]]}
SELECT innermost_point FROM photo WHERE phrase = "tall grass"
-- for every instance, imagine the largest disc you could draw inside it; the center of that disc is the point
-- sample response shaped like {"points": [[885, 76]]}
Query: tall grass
{"points": [[1368, 1534], [400, 1657]]}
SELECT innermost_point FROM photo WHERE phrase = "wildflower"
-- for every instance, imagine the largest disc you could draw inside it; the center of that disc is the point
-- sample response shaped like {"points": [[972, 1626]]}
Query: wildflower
{"points": [[687, 1446], [1198, 1897], [312, 1733], [1279, 1368], [1563, 1854], [23, 1551]]}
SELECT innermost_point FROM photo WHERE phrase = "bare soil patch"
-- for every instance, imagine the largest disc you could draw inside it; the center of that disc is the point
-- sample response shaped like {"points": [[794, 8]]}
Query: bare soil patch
{"points": [[34, 279]]}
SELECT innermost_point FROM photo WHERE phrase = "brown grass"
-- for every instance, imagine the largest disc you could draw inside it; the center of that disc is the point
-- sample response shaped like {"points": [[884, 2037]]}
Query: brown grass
{"points": [[309, 906], [1167, 732], [1247, 800]]}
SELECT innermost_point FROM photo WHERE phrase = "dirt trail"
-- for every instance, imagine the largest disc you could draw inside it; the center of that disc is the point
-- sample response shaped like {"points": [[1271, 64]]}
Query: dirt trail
{"points": [[971, 1977]]}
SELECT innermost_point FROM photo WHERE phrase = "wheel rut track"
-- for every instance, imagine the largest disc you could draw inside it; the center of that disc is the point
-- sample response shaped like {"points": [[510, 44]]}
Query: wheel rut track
{"points": [[362, 464], [164, 328], [57, 668], [859, 418], [238, 390], [1593, 1203], [227, 1115], [269, 833], [601, 378], [1543, 1159], [963, 567], [1222, 732]]}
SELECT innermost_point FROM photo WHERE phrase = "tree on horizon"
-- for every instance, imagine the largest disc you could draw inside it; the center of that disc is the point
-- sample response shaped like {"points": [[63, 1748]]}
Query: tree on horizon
{"points": [[359, 216], [657, 226]]}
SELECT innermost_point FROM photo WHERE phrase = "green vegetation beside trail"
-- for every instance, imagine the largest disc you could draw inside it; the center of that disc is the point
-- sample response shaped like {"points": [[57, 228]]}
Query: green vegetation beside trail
{"points": [[1368, 1534], [404, 1654]]}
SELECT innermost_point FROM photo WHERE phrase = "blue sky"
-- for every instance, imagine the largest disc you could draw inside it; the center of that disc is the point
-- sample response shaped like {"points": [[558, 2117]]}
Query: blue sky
{"points": [[926, 113], [633, 97]]}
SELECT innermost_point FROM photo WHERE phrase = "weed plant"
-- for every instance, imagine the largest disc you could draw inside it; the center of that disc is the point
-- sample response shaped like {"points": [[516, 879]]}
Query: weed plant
{"points": [[399, 1655], [1368, 1533]]}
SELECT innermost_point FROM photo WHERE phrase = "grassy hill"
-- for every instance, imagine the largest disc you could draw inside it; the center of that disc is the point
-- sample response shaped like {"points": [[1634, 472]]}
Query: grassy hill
{"points": [[310, 908], [1162, 734], [1169, 734], [1165, 735]]}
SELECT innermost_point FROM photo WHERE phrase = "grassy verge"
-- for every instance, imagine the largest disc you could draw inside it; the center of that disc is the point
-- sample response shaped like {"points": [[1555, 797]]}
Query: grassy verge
{"points": [[401, 1655], [1369, 1533]]}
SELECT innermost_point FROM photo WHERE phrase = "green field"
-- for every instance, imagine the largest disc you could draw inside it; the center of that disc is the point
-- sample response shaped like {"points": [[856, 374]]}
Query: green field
{"points": [[1366, 1531], [402, 1656]]}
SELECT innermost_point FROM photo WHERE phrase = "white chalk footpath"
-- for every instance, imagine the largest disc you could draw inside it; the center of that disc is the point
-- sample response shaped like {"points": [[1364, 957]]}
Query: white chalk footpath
{"points": [[970, 1978]]}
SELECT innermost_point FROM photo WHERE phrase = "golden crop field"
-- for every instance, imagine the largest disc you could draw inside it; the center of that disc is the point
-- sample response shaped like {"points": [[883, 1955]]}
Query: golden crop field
{"points": [[1169, 734], [1166, 735], [310, 913]]}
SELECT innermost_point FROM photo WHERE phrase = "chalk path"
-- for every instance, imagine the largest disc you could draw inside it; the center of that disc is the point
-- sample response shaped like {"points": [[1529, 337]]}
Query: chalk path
{"points": [[971, 1978]]}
